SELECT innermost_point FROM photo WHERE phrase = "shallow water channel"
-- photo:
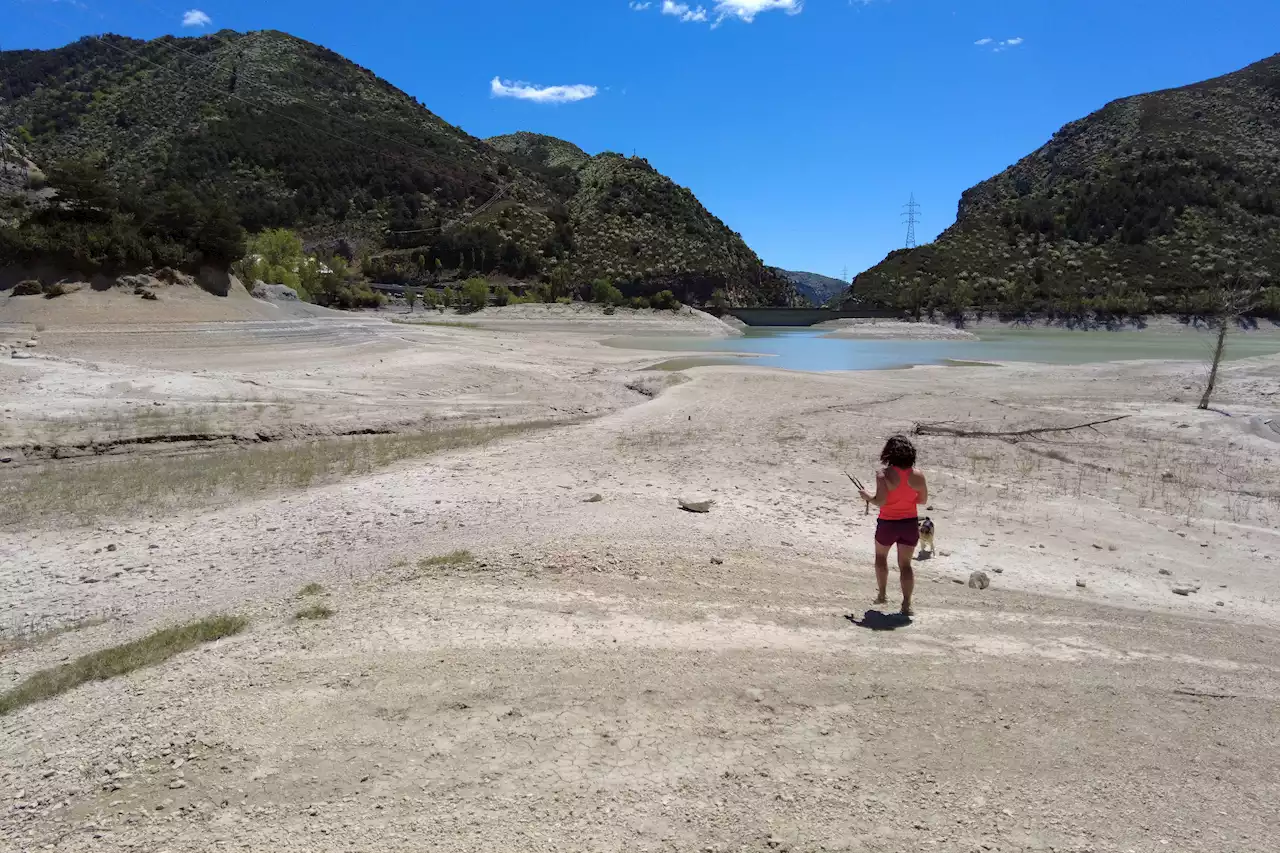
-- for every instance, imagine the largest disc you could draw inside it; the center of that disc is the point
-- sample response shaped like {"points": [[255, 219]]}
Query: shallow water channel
{"points": [[812, 349]]}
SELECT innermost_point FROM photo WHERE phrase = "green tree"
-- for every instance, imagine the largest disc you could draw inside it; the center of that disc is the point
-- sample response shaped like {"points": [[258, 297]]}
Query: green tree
{"points": [[219, 237], [449, 298], [82, 187], [410, 298], [603, 292], [561, 281], [277, 247], [719, 299], [475, 293], [502, 295], [665, 299]]}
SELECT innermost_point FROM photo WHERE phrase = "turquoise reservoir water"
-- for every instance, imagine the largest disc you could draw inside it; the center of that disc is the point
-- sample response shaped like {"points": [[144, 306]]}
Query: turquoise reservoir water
{"points": [[809, 349]]}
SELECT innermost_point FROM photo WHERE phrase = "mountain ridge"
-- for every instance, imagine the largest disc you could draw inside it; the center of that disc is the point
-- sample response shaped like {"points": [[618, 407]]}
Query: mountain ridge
{"points": [[1142, 206], [287, 133]]}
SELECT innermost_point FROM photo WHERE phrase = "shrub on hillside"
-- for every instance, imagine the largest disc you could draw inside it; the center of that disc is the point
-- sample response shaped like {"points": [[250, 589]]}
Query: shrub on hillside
{"points": [[604, 293], [475, 293], [666, 300]]}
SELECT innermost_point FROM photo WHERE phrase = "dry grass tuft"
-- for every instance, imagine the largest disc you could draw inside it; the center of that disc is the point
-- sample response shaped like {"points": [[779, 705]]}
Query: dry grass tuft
{"points": [[93, 490], [152, 649], [315, 611], [453, 558], [41, 631], [311, 589]]}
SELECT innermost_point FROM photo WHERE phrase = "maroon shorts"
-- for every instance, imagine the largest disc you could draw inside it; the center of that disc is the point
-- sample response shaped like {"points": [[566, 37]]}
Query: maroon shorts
{"points": [[904, 532]]}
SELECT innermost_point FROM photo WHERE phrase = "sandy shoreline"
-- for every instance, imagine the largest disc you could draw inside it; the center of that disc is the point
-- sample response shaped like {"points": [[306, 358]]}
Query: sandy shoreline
{"points": [[615, 673]]}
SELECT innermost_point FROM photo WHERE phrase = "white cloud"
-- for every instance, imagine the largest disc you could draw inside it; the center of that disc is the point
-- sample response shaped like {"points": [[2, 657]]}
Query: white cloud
{"points": [[683, 11], [998, 46], [746, 10], [196, 18], [541, 94], [639, 7], [742, 10]]}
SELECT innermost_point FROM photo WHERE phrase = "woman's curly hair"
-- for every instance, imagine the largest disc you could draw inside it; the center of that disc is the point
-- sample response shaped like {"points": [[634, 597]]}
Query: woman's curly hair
{"points": [[899, 452]]}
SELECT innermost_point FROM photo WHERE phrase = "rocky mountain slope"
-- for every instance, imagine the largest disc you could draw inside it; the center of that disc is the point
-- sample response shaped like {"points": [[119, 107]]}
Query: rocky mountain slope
{"points": [[1139, 207], [815, 287], [288, 133]]}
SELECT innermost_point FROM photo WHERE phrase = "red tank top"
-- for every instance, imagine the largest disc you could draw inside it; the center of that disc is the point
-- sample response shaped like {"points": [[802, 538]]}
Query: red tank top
{"points": [[903, 500]]}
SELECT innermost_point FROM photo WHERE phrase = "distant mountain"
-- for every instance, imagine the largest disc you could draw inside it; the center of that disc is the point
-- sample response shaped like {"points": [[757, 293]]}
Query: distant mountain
{"points": [[270, 130], [1139, 207], [815, 287]]}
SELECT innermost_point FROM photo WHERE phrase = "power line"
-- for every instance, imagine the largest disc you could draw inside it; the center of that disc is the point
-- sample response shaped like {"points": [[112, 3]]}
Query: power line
{"points": [[912, 215]]}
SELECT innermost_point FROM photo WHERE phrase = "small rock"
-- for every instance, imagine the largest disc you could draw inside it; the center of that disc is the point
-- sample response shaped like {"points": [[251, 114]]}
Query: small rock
{"points": [[786, 544], [717, 561], [153, 547], [20, 354], [32, 343], [1185, 589], [694, 505], [593, 498], [112, 546], [1098, 546], [176, 784], [944, 553], [979, 580], [1165, 572], [1080, 583], [1220, 603], [5, 460]]}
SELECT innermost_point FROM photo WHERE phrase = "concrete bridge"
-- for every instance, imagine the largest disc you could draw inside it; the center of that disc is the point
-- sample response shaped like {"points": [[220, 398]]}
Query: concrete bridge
{"points": [[804, 316]]}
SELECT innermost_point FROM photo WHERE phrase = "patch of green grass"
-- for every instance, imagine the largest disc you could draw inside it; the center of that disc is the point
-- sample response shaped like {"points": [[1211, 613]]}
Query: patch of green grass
{"points": [[453, 558], [152, 649], [92, 490], [315, 611], [311, 589]]}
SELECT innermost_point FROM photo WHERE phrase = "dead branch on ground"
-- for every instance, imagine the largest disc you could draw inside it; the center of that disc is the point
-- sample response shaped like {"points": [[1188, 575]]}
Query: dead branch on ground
{"points": [[956, 432]]}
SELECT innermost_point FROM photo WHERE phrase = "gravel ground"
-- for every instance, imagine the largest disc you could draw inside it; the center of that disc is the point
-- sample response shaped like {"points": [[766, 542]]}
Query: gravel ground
{"points": [[617, 674]]}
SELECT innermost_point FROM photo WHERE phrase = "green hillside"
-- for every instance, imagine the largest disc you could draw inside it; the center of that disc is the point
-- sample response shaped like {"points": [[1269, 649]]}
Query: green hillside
{"points": [[267, 130], [1137, 208]]}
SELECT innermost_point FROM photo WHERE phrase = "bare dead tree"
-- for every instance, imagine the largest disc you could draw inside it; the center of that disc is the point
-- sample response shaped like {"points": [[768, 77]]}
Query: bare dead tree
{"points": [[1236, 297]]}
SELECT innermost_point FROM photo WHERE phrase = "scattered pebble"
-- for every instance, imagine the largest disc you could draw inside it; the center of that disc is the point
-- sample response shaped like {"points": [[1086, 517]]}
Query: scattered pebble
{"points": [[979, 580], [1081, 583], [717, 561]]}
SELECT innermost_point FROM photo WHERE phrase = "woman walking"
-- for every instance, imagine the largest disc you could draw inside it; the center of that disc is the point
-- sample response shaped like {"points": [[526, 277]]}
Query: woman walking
{"points": [[900, 489]]}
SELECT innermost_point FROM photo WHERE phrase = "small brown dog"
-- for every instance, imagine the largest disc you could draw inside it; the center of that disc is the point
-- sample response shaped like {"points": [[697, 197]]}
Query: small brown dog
{"points": [[926, 535]]}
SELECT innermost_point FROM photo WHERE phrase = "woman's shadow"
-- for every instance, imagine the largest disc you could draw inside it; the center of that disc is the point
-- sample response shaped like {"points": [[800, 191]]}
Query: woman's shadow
{"points": [[874, 620]]}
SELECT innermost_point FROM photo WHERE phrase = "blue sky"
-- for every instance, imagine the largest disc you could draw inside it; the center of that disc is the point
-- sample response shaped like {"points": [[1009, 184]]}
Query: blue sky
{"points": [[803, 124]]}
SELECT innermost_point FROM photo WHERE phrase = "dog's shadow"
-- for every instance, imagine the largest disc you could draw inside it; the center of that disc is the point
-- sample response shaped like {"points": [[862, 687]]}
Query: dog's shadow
{"points": [[875, 620]]}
